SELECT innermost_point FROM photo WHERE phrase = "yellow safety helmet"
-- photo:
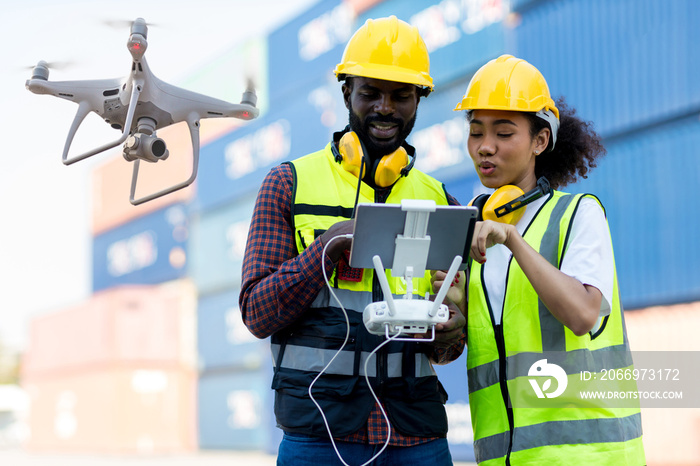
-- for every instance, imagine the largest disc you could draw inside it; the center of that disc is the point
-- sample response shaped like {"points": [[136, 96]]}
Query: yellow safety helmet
{"points": [[388, 49], [509, 83]]}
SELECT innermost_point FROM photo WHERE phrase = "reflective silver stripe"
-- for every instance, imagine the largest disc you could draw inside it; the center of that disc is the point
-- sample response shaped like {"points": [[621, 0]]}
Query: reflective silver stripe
{"points": [[552, 331], [482, 376], [491, 447], [304, 358], [584, 431], [352, 300], [601, 430], [424, 367], [573, 362]]}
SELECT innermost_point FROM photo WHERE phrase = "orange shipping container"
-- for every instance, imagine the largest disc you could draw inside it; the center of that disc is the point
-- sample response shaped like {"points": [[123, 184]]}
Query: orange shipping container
{"points": [[145, 324], [670, 434], [111, 181], [114, 410]]}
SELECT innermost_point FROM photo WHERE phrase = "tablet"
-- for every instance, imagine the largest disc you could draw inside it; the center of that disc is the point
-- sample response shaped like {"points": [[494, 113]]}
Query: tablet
{"points": [[377, 225]]}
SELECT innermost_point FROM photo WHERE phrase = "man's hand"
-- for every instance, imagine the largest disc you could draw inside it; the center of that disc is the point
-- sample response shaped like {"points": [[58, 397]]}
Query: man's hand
{"points": [[448, 333], [335, 250]]}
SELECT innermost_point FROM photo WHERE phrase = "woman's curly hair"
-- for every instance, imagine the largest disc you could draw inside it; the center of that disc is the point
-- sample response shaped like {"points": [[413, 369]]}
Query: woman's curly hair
{"points": [[577, 149]]}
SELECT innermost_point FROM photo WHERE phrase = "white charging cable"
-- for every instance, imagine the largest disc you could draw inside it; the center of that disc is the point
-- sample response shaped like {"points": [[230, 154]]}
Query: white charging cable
{"points": [[347, 336]]}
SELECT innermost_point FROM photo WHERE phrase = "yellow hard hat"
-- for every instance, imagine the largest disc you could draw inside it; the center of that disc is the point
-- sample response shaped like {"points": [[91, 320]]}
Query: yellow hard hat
{"points": [[509, 83], [388, 49]]}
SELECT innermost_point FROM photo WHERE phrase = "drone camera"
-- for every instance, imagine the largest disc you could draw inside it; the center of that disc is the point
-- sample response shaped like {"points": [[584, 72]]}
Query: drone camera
{"points": [[146, 147]]}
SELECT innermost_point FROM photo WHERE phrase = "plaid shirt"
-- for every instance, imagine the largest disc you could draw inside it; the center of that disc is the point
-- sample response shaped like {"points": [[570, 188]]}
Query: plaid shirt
{"points": [[279, 284]]}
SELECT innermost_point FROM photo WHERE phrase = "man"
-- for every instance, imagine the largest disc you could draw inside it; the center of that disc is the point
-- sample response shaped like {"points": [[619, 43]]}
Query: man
{"points": [[307, 204]]}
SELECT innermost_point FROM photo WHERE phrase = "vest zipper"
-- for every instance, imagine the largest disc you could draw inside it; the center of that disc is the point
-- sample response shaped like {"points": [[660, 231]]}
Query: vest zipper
{"points": [[501, 347]]}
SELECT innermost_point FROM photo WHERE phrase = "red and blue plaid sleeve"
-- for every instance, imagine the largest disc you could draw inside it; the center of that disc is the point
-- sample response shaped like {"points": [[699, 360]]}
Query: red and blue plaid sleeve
{"points": [[278, 283]]}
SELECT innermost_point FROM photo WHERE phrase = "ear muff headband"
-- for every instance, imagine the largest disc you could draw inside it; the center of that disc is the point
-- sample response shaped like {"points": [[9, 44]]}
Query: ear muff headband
{"points": [[385, 172], [505, 204]]}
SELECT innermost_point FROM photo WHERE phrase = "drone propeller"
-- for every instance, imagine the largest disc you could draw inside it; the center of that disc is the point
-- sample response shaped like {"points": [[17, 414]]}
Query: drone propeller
{"points": [[41, 69], [249, 96], [122, 23], [52, 65]]}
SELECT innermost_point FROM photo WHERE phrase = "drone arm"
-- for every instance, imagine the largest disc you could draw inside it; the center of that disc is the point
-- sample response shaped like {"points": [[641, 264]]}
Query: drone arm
{"points": [[84, 108], [193, 123]]}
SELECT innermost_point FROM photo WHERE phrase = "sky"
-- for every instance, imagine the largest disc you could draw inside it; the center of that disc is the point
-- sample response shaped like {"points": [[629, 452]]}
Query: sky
{"points": [[45, 224]]}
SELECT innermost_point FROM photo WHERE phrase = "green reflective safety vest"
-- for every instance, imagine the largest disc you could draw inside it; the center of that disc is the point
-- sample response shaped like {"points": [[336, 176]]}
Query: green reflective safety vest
{"points": [[401, 373], [513, 366]]}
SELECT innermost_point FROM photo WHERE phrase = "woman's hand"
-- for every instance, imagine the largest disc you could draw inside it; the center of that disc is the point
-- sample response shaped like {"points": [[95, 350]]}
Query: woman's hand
{"points": [[456, 293], [488, 233]]}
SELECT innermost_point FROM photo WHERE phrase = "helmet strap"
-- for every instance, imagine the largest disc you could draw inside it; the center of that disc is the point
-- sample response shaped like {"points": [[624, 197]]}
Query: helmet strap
{"points": [[549, 116]]}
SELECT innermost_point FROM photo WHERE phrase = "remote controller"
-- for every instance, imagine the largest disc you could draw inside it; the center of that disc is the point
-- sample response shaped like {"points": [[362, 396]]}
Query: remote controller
{"points": [[410, 316]]}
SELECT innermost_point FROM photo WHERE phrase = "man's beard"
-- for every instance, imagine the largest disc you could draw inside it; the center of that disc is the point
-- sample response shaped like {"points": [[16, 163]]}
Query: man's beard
{"points": [[375, 150]]}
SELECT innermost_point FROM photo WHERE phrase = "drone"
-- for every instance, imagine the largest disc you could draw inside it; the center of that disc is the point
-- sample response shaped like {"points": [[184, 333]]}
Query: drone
{"points": [[139, 105]]}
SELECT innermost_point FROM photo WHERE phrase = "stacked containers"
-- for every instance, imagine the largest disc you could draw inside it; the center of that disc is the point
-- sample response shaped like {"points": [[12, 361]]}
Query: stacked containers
{"points": [[114, 374], [234, 375], [632, 77], [235, 400]]}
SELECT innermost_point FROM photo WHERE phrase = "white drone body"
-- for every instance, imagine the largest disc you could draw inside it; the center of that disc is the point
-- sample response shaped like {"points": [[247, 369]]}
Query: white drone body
{"points": [[138, 105]]}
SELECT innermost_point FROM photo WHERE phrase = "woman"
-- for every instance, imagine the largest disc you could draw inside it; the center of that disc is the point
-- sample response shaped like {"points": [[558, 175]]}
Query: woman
{"points": [[542, 303]]}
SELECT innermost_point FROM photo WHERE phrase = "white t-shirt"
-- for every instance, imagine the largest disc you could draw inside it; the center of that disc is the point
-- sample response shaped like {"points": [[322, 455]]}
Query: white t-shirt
{"points": [[588, 258]]}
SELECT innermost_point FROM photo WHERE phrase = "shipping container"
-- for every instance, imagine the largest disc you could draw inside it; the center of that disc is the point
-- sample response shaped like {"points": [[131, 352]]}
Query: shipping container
{"points": [[130, 325], [223, 341], [308, 47], [234, 165], [668, 329], [217, 245], [460, 35], [228, 75], [148, 250], [440, 138], [114, 410], [647, 182], [624, 65], [111, 182], [235, 410]]}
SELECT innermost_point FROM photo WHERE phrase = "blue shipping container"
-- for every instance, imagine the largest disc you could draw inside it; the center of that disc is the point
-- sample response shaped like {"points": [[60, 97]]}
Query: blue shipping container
{"points": [[648, 183], [308, 47], [223, 341], [623, 64], [217, 245], [148, 250], [235, 164], [235, 410], [440, 135], [460, 36]]}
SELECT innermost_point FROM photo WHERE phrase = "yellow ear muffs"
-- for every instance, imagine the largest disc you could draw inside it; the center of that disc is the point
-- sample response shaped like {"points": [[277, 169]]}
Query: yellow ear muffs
{"points": [[506, 204], [501, 196], [351, 153], [388, 170]]}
